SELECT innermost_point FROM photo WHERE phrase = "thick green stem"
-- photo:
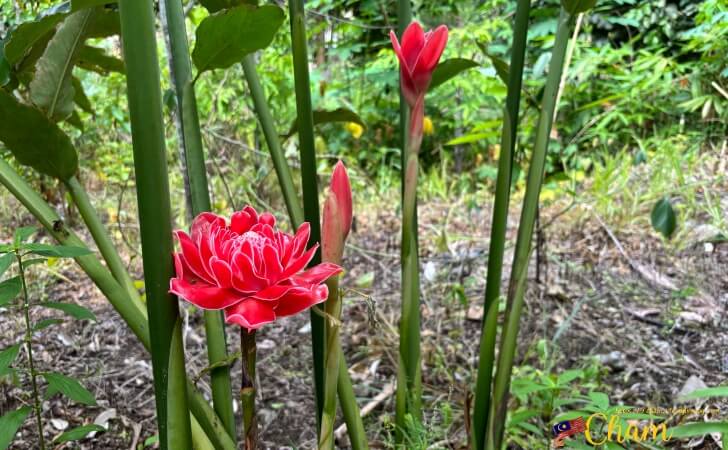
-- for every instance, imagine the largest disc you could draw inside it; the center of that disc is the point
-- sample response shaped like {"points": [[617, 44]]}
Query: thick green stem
{"points": [[29, 350], [267, 124], [409, 376], [349, 408], [131, 310], [519, 271], [309, 181], [155, 220], [500, 224], [247, 388], [101, 237], [198, 197], [333, 355]]}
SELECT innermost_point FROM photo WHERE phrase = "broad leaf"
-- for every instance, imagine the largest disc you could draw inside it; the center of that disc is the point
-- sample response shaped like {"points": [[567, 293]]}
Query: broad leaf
{"points": [[96, 60], [329, 116], [9, 289], [79, 96], [78, 433], [5, 69], [75, 120], [501, 67], [663, 217], [69, 387], [27, 34], [51, 89], [718, 391], [217, 5], [577, 6], [83, 4], [449, 69], [34, 140], [76, 311], [9, 424], [22, 234], [698, 429], [7, 357], [5, 261], [104, 23], [224, 38], [57, 251], [45, 323]]}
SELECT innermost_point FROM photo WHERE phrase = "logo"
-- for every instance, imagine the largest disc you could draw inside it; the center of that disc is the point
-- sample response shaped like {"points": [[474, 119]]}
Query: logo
{"points": [[567, 428]]}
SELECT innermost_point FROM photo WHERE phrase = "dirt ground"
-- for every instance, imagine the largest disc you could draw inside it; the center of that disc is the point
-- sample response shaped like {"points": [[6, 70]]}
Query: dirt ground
{"points": [[654, 318]]}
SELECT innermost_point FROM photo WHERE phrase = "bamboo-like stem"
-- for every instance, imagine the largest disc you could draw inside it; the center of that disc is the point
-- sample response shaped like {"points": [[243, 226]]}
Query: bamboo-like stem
{"points": [[333, 355], [519, 272], [409, 377], [145, 111], [131, 311], [247, 388], [500, 224], [267, 124], [198, 197], [29, 350], [309, 183], [349, 408], [101, 237]]}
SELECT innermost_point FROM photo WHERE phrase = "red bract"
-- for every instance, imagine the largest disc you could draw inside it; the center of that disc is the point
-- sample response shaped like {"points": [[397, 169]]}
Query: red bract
{"points": [[337, 215], [248, 268], [418, 56]]}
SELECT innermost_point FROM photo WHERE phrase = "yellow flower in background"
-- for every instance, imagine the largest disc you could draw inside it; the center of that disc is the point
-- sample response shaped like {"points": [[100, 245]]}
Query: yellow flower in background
{"points": [[427, 127], [355, 129]]}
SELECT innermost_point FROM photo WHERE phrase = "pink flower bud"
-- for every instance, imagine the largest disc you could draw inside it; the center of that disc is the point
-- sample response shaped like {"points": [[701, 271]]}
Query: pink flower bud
{"points": [[337, 213]]}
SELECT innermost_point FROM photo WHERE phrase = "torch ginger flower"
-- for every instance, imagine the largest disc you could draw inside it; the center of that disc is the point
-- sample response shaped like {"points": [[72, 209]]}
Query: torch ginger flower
{"points": [[248, 268], [418, 56]]}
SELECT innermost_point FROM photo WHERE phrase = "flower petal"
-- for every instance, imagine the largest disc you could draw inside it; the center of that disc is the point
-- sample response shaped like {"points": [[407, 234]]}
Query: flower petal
{"points": [[299, 263], [191, 256], [318, 274], [250, 314], [223, 273], [413, 40], [204, 295], [300, 300], [433, 48]]}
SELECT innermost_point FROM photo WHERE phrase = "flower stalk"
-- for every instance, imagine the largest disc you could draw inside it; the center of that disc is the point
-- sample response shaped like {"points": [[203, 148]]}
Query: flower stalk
{"points": [[248, 388]]}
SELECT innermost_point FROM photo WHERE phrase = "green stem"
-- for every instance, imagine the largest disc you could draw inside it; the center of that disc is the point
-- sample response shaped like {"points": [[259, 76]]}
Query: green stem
{"points": [[131, 311], [333, 355], [29, 348], [155, 220], [283, 171], [198, 197], [247, 388], [349, 407], [519, 273], [500, 224], [309, 181], [101, 236], [409, 378]]}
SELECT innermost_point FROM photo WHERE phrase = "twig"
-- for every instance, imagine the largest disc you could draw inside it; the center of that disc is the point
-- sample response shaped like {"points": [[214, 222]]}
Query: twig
{"points": [[369, 407]]}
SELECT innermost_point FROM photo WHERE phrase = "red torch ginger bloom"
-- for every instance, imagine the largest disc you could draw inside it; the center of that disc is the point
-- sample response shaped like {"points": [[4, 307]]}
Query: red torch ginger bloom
{"points": [[248, 268], [418, 56]]}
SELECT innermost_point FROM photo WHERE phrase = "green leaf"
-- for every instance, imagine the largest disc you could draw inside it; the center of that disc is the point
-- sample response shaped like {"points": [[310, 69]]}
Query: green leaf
{"points": [[5, 261], [577, 6], [663, 217], [96, 60], [34, 140], [51, 89], [329, 116], [79, 96], [474, 137], [76, 311], [225, 37], [9, 289], [105, 23], [22, 234], [56, 251], [69, 387], [718, 391], [217, 5], [45, 323], [78, 433], [9, 424], [5, 69], [83, 4], [698, 429], [27, 34], [501, 67], [600, 400], [7, 357], [31, 262], [449, 69]]}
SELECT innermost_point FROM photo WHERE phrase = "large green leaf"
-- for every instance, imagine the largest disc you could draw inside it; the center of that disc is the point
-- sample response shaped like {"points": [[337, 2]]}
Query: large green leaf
{"points": [[9, 289], [698, 429], [69, 387], [5, 261], [718, 391], [7, 357], [77, 5], [449, 69], [224, 38], [217, 5], [329, 116], [34, 140], [104, 23], [27, 34], [5, 69], [663, 217], [56, 251], [51, 89], [578, 6], [78, 433], [73, 310], [9, 424], [95, 59], [79, 96]]}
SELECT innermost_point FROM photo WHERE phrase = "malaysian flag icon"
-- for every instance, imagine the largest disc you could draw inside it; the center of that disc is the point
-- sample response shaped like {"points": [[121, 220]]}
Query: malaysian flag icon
{"points": [[567, 428]]}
